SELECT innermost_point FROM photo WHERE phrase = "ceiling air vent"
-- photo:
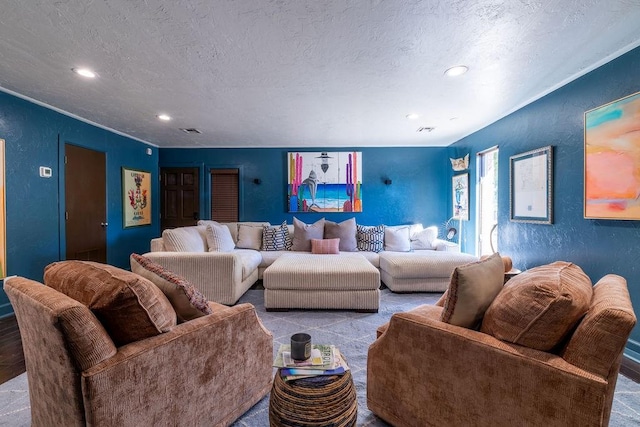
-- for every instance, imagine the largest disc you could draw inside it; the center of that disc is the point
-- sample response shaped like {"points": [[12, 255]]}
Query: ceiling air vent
{"points": [[190, 130], [425, 129]]}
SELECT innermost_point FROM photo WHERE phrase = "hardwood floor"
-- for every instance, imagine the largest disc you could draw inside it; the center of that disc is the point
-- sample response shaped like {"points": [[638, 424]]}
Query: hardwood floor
{"points": [[11, 355]]}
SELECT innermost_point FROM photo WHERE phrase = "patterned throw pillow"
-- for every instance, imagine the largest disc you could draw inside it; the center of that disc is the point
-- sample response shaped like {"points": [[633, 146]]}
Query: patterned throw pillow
{"points": [[325, 246], [188, 302], [370, 238], [276, 238]]}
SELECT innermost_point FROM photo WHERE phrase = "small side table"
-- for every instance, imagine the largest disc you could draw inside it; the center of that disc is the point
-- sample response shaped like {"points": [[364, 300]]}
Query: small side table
{"points": [[317, 401], [510, 274]]}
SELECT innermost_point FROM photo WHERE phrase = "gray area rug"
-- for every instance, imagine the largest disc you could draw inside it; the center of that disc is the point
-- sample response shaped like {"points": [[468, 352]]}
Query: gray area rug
{"points": [[351, 332]]}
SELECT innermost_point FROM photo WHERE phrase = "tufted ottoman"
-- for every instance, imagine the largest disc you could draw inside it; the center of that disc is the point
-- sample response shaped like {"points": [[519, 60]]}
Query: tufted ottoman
{"points": [[420, 271], [303, 280]]}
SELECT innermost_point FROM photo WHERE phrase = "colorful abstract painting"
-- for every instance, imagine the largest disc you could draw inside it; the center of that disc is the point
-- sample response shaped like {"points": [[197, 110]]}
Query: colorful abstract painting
{"points": [[612, 160], [324, 181]]}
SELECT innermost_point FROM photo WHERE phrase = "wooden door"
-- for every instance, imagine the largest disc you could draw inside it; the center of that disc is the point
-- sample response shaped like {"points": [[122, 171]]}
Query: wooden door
{"points": [[224, 195], [85, 204], [179, 197]]}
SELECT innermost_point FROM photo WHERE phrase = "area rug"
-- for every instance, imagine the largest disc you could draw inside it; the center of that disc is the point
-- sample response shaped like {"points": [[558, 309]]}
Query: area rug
{"points": [[351, 332]]}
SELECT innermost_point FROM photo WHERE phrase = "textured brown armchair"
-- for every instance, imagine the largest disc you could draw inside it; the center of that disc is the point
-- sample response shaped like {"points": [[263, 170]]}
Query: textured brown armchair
{"points": [[423, 372], [204, 372]]}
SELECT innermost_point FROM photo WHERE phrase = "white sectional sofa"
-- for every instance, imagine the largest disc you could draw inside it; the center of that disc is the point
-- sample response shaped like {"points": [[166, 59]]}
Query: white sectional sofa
{"points": [[224, 277]]}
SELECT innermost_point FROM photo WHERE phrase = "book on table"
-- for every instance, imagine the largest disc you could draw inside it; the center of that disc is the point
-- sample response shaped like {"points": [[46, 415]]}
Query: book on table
{"points": [[324, 360]]}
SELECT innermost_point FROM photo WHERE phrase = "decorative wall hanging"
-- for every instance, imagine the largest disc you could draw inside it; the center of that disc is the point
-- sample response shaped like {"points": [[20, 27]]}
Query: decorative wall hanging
{"points": [[612, 160], [136, 192], [324, 181], [531, 186], [460, 186], [460, 164], [3, 218]]}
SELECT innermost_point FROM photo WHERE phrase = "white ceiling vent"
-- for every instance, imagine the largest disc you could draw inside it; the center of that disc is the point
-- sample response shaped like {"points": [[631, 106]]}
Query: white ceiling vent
{"points": [[425, 129], [190, 130]]}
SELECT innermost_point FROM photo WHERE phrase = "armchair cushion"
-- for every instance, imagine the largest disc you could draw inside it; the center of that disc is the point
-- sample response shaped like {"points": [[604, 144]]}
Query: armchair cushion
{"points": [[188, 302], [129, 306], [539, 307], [472, 289], [345, 231]]}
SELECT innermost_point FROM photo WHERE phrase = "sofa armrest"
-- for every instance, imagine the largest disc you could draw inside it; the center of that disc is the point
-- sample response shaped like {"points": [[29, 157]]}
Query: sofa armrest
{"points": [[207, 371], [215, 274], [433, 373]]}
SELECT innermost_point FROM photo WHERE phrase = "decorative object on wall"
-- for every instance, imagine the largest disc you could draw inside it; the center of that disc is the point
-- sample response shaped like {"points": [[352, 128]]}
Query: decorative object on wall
{"points": [[612, 160], [324, 181], [387, 181], [3, 218], [257, 181], [460, 187], [460, 164], [136, 194], [531, 186]]}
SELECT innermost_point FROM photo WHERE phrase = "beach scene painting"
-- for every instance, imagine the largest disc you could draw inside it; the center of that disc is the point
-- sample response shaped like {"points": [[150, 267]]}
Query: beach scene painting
{"points": [[612, 160], [324, 181]]}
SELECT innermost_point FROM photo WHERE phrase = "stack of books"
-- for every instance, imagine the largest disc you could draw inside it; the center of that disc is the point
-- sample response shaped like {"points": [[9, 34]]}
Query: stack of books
{"points": [[324, 360]]}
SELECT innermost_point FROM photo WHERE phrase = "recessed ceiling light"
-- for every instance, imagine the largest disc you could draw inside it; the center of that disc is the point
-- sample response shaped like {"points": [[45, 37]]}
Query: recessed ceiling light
{"points": [[412, 116], [458, 70], [164, 117], [84, 72]]}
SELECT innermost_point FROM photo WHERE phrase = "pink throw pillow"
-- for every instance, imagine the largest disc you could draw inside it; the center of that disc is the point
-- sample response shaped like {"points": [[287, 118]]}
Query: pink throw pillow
{"points": [[325, 246]]}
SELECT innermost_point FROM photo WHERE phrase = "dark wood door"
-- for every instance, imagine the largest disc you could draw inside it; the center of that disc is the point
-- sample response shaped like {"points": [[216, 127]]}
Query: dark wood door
{"points": [[85, 204], [179, 197]]}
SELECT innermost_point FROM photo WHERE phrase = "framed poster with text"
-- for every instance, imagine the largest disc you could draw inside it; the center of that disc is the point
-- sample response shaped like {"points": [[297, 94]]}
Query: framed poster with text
{"points": [[136, 194]]}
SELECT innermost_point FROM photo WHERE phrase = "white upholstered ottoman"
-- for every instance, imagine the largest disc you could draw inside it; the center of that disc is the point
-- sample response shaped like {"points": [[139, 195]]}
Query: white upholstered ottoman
{"points": [[308, 281], [420, 271]]}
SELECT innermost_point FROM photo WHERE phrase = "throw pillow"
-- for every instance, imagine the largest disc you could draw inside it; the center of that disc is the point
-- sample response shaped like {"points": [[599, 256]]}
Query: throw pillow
{"points": [[397, 239], [303, 233], [370, 238], [345, 231], [219, 238], [129, 306], [185, 239], [424, 238], [325, 246], [187, 301], [275, 238], [540, 306], [473, 288], [249, 236]]}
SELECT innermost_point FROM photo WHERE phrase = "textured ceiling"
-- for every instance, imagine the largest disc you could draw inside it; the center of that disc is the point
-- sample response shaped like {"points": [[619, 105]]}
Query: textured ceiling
{"points": [[293, 73]]}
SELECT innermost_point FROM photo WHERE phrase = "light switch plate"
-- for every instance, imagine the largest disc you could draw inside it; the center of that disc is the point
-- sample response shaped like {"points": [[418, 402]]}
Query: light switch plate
{"points": [[45, 172]]}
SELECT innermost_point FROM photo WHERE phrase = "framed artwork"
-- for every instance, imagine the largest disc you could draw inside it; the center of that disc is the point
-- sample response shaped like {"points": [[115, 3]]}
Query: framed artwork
{"points": [[136, 193], [460, 186], [3, 218], [612, 160], [531, 186], [324, 181]]}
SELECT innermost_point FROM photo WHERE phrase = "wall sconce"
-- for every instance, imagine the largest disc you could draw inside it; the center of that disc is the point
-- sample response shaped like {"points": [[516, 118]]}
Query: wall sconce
{"points": [[387, 181], [257, 181]]}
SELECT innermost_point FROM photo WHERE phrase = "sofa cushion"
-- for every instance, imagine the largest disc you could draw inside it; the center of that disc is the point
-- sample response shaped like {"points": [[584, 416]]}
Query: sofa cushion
{"points": [[185, 239], [305, 232], [249, 237], [325, 246], [129, 306], [187, 301], [471, 291], [397, 238], [370, 238], [540, 306], [425, 238], [219, 238], [345, 231], [276, 238]]}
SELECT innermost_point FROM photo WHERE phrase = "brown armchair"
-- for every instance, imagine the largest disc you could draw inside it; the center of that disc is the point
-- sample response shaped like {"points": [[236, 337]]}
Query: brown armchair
{"points": [[207, 371], [424, 372]]}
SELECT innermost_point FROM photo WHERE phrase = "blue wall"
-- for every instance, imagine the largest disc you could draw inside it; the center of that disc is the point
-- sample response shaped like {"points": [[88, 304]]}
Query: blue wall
{"points": [[598, 246], [417, 193], [35, 136]]}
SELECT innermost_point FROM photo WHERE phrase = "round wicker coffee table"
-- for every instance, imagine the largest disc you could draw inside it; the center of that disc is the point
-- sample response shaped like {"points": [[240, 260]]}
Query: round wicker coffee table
{"points": [[313, 402]]}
